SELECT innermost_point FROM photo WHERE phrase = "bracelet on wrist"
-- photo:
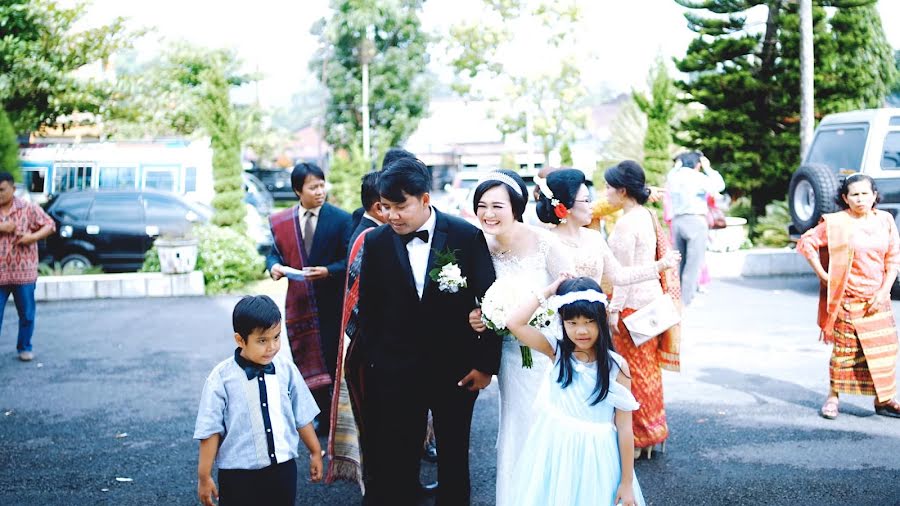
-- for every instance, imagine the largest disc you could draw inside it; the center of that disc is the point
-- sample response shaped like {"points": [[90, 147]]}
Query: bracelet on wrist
{"points": [[540, 297]]}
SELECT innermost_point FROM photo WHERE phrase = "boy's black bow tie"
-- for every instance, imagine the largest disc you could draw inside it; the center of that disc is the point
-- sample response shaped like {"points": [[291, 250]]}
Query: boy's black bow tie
{"points": [[252, 369], [421, 234]]}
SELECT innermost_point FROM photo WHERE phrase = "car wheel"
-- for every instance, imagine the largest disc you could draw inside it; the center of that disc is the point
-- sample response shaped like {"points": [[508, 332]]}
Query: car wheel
{"points": [[812, 192], [75, 263]]}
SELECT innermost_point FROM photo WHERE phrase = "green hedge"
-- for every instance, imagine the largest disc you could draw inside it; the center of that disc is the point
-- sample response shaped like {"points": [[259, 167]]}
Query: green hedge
{"points": [[227, 259]]}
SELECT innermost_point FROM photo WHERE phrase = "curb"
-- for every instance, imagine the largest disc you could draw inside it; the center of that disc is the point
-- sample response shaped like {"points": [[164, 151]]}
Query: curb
{"points": [[119, 286], [757, 263]]}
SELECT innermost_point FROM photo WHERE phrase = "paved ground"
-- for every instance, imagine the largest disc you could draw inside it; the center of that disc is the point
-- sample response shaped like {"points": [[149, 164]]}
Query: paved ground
{"points": [[742, 414]]}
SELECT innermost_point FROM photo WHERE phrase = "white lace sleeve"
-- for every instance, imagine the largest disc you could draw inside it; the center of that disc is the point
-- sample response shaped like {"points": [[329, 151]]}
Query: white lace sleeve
{"points": [[617, 274], [556, 259]]}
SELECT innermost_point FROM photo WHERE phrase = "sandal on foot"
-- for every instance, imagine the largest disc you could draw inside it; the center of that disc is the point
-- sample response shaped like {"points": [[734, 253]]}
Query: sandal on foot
{"points": [[829, 409], [891, 408]]}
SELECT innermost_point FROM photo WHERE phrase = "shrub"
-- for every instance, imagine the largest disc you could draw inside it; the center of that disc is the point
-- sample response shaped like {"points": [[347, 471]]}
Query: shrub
{"points": [[227, 259], [772, 229]]}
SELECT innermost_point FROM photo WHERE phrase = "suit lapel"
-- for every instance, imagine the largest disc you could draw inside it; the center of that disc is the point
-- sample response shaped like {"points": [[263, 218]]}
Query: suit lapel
{"points": [[437, 244]]}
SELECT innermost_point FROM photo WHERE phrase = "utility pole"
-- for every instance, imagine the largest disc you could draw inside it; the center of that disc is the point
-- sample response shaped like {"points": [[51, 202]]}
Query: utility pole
{"points": [[366, 53], [807, 69]]}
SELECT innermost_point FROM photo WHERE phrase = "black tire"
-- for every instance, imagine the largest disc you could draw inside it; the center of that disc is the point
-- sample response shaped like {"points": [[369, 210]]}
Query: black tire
{"points": [[812, 193], [75, 262]]}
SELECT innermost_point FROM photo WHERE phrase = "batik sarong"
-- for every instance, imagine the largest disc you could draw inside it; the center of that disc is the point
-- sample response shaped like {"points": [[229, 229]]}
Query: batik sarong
{"points": [[865, 351]]}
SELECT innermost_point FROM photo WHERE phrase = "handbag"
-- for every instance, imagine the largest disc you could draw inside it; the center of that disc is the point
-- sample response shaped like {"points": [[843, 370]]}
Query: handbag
{"points": [[652, 320], [715, 217]]}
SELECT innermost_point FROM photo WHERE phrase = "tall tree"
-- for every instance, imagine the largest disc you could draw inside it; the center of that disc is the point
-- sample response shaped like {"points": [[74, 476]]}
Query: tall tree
{"points": [[399, 84], [748, 83], [660, 110], [40, 48]]}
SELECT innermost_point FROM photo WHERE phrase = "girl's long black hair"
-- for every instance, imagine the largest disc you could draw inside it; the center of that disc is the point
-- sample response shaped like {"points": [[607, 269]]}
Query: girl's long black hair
{"points": [[596, 312]]}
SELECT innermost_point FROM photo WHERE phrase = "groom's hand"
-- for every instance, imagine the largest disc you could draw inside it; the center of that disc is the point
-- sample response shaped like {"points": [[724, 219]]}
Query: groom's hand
{"points": [[475, 380]]}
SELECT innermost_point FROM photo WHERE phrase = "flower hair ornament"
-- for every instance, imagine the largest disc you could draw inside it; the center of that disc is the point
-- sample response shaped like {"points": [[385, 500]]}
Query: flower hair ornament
{"points": [[558, 301], [559, 209], [503, 178]]}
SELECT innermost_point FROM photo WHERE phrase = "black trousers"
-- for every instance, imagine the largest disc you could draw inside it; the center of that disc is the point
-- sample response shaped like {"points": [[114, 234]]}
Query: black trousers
{"points": [[274, 485], [395, 410]]}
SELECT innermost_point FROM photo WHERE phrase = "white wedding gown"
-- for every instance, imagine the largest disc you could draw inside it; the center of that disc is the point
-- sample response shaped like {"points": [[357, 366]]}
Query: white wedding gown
{"points": [[518, 385]]}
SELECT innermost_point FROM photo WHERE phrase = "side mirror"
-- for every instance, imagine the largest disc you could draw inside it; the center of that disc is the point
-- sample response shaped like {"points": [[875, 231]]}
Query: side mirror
{"points": [[448, 187]]}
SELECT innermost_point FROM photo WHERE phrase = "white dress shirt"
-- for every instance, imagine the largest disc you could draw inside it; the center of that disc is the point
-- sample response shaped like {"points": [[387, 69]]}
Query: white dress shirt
{"points": [[688, 189], [419, 250]]}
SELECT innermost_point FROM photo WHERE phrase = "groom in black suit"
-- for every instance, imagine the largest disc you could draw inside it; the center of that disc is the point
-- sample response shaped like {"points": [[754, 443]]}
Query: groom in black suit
{"points": [[417, 347]]}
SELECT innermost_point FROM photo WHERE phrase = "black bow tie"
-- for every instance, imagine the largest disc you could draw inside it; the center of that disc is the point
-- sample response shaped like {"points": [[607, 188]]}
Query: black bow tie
{"points": [[421, 234], [252, 369]]}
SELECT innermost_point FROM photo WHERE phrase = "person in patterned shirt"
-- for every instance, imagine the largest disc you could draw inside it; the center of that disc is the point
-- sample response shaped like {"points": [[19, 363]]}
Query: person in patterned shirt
{"points": [[22, 225]]}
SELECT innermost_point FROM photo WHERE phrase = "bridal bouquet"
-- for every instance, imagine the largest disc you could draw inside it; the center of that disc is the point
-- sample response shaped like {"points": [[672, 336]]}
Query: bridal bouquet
{"points": [[500, 300]]}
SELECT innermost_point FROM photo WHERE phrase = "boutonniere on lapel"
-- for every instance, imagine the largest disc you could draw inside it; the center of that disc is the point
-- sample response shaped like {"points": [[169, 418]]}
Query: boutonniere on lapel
{"points": [[446, 272]]}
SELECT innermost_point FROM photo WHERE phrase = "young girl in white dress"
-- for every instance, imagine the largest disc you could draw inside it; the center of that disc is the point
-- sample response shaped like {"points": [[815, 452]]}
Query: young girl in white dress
{"points": [[581, 445]]}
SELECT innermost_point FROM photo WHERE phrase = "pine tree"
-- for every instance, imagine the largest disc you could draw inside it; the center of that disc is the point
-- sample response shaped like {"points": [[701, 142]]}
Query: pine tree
{"points": [[660, 110], [9, 147], [748, 84]]}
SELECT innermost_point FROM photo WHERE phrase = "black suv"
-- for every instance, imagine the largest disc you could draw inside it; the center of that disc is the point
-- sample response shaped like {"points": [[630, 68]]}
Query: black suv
{"points": [[114, 229], [277, 181]]}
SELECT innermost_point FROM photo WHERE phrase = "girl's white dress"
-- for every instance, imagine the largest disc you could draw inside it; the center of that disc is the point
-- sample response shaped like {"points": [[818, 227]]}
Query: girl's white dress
{"points": [[572, 455], [518, 385]]}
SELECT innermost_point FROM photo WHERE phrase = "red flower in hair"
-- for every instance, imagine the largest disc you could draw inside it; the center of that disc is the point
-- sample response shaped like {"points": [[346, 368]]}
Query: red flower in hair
{"points": [[560, 211]]}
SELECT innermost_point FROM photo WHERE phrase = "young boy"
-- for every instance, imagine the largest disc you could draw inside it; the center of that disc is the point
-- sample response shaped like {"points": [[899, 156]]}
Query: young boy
{"points": [[254, 410]]}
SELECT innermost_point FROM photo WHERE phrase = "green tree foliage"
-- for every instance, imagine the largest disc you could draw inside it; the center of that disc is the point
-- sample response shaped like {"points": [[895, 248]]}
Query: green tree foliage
{"points": [[398, 81], [219, 120], [549, 103], [565, 155], [626, 136], [347, 169], [748, 83], [660, 110], [41, 46], [9, 148], [553, 101]]}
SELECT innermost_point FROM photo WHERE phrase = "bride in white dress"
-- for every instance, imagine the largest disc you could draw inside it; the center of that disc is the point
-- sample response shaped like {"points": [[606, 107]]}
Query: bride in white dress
{"points": [[528, 255]]}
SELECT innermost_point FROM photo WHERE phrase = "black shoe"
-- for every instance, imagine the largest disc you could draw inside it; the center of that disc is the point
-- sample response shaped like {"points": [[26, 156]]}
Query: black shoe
{"points": [[429, 488], [430, 453]]}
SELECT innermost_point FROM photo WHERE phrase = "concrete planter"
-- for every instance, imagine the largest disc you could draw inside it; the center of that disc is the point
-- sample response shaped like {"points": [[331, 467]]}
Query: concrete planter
{"points": [[119, 286], [176, 256], [730, 238]]}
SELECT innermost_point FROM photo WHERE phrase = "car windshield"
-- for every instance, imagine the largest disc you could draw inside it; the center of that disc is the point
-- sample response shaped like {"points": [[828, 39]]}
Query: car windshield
{"points": [[839, 147]]}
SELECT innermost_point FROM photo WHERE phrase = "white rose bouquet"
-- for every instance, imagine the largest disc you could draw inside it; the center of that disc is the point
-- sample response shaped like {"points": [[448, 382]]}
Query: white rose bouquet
{"points": [[500, 300]]}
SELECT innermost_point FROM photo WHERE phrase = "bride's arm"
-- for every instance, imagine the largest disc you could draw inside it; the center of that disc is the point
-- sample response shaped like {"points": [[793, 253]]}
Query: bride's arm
{"points": [[517, 324]]}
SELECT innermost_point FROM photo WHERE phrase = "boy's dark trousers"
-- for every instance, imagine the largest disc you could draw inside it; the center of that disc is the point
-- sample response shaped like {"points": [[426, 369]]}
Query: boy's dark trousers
{"points": [[275, 485]]}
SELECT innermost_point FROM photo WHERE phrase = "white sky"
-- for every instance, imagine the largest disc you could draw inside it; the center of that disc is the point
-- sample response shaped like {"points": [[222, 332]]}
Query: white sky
{"points": [[272, 36]]}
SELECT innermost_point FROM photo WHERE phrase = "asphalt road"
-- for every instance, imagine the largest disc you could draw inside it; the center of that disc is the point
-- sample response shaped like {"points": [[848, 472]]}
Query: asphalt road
{"points": [[742, 413]]}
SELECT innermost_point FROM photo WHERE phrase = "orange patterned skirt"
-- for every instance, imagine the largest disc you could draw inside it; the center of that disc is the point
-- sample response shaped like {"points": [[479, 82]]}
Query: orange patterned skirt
{"points": [[649, 421], [864, 357]]}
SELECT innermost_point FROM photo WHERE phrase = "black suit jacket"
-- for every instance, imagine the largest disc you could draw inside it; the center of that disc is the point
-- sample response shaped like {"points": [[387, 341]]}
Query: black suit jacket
{"points": [[364, 223], [329, 249], [401, 334]]}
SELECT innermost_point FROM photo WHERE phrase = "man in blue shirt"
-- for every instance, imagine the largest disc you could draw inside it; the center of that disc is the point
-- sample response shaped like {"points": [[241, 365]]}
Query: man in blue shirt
{"points": [[688, 186]]}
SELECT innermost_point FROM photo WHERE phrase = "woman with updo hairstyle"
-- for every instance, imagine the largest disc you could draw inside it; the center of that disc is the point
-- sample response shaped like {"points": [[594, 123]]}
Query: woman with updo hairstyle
{"points": [[638, 240], [565, 202]]}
